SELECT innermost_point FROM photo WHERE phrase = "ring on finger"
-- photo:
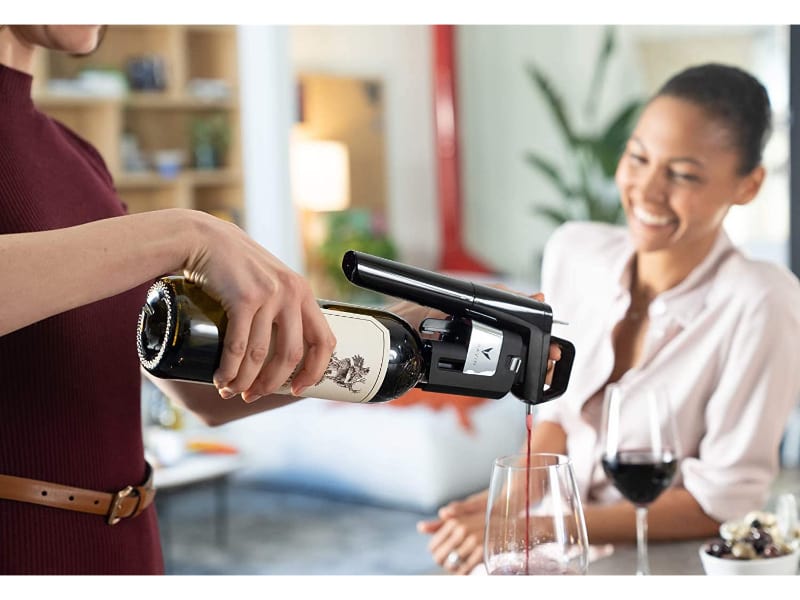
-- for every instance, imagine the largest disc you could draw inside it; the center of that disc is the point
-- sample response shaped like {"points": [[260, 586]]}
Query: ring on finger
{"points": [[453, 559]]}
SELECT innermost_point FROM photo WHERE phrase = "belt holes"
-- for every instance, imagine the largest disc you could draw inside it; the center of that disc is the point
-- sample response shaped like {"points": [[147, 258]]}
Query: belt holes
{"points": [[97, 501], [44, 492], [71, 498]]}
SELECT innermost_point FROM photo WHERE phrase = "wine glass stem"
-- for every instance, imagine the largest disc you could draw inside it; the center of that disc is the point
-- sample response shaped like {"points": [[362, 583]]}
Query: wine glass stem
{"points": [[642, 563]]}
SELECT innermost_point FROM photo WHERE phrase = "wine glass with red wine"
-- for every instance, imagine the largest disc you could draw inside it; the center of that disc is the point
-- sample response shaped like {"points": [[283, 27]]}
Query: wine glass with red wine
{"points": [[640, 454], [534, 518]]}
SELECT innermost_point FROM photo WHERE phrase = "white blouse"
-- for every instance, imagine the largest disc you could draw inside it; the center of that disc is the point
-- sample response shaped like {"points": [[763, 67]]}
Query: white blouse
{"points": [[724, 344]]}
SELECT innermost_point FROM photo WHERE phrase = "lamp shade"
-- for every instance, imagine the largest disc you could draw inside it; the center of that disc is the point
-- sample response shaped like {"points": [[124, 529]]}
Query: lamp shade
{"points": [[320, 175]]}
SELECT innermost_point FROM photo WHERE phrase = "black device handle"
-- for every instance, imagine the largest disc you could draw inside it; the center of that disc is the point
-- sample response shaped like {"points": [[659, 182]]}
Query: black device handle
{"points": [[450, 295], [562, 370], [396, 279]]}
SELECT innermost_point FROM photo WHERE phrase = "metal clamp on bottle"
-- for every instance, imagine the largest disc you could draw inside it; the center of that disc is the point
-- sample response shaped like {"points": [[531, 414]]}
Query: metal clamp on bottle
{"points": [[495, 342]]}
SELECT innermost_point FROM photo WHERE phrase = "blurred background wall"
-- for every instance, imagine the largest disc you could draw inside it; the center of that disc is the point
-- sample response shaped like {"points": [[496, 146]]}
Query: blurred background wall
{"points": [[502, 116]]}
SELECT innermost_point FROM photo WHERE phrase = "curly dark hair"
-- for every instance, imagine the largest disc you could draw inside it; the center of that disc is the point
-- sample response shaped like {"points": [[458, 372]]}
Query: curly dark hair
{"points": [[733, 97]]}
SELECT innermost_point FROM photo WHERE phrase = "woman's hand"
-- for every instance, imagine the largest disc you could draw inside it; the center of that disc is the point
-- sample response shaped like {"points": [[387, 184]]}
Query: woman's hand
{"points": [[458, 533], [267, 305]]}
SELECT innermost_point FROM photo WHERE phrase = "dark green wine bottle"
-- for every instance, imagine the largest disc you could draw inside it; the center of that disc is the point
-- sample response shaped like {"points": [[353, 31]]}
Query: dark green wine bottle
{"points": [[378, 355]]}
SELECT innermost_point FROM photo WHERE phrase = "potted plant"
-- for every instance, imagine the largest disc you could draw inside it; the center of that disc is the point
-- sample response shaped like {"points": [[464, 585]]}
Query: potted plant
{"points": [[586, 182], [210, 138], [353, 229]]}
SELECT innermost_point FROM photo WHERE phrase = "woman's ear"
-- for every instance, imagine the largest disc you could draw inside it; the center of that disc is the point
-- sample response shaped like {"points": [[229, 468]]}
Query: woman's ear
{"points": [[749, 186]]}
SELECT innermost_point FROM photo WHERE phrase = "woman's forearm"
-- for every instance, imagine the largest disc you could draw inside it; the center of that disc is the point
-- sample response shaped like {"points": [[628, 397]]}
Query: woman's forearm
{"points": [[675, 515], [48, 272], [204, 401]]}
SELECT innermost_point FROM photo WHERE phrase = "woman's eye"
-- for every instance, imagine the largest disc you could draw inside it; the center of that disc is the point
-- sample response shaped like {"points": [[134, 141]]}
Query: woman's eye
{"points": [[688, 177], [637, 158]]}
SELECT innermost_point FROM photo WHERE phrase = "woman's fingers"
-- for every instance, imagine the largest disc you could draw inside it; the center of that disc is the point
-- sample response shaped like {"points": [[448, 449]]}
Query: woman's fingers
{"points": [[286, 354], [458, 538], [431, 526], [471, 504], [320, 344], [234, 348], [270, 331], [472, 556], [447, 539], [257, 351]]}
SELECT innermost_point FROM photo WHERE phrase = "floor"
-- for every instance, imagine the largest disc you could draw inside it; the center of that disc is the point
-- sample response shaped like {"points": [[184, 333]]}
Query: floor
{"points": [[284, 532]]}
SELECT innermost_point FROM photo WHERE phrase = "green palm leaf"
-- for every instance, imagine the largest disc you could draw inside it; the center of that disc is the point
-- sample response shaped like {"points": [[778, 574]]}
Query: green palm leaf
{"points": [[551, 173], [554, 103], [610, 144], [585, 182], [556, 215], [599, 72]]}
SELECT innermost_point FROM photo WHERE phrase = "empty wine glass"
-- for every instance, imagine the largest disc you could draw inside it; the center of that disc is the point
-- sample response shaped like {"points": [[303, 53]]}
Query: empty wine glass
{"points": [[640, 454], [534, 518]]}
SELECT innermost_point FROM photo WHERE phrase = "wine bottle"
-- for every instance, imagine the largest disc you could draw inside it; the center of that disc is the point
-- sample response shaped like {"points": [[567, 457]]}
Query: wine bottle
{"points": [[378, 355]]}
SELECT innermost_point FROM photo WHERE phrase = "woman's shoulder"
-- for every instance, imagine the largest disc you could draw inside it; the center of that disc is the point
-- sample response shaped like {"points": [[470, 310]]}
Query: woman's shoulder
{"points": [[758, 283], [581, 253], [93, 157]]}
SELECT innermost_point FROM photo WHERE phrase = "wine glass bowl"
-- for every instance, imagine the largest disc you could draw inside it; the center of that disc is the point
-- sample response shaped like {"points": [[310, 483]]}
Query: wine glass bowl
{"points": [[640, 475], [640, 454], [534, 518]]}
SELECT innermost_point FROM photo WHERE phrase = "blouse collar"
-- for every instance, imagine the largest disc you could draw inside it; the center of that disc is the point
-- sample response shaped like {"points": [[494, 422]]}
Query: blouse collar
{"points": [[687, 298]]}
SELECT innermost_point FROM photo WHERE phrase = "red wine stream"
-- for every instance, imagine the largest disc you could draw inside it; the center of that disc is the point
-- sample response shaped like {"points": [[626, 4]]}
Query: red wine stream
{"points": [[529, 425]]}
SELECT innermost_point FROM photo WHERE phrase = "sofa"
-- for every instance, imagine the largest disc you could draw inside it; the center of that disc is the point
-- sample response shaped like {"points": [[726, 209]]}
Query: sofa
{"points": [[417, 452]]}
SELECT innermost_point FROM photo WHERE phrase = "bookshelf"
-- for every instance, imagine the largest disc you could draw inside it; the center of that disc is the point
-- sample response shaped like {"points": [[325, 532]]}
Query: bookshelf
{"points": [[182, 88]]}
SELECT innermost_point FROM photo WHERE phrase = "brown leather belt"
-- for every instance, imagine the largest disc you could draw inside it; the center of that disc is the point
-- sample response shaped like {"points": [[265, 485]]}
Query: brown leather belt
{"points": [[124, 504]]}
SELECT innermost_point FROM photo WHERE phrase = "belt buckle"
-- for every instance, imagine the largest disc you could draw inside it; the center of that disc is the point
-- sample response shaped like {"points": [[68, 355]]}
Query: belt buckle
{"points": [[116, 503]]}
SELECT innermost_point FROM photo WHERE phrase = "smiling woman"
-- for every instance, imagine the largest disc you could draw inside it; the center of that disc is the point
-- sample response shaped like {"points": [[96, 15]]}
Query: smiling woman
{"points": [[683, 310], [691, 157]]}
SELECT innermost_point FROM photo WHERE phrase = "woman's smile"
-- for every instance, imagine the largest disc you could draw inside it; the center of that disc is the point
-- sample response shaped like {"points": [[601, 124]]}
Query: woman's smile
{"points": [[651, 219]]}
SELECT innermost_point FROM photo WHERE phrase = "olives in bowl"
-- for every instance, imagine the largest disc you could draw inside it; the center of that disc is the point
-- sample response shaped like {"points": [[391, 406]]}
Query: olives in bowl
{"points": [[754, 545]]}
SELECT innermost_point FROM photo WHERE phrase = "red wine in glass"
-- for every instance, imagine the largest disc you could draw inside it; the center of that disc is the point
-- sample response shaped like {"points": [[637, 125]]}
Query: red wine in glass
{"points": [[640, 475], [639, 440]]}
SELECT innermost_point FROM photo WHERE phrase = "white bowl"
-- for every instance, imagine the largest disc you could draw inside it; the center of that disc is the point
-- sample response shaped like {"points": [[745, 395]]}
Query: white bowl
{"points": [[779, 565]]}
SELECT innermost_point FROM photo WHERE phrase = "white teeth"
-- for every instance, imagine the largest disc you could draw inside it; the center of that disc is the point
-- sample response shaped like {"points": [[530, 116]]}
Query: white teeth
{"points": [[649, 218]]}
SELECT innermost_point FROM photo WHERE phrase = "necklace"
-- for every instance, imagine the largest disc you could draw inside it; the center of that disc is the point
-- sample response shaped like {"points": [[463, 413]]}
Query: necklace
{"points": [[638, 309], [636, 315], [640, 299]]}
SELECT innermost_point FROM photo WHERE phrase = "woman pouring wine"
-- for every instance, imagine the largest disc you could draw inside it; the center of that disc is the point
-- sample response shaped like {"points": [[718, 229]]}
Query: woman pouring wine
{"points": [[669, 303], [75, 492]]}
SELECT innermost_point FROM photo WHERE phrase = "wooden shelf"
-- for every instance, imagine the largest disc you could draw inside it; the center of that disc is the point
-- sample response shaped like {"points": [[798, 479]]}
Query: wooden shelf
{"points": [[157, 120], [50, 101], [143, 180], [216, 29], [213, 177], [155, 100], [191, 177], [178, 102]]}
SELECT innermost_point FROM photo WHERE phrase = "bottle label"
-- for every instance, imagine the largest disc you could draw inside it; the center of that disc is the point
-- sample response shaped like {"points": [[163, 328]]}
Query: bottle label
{"points": [[358, 365]]}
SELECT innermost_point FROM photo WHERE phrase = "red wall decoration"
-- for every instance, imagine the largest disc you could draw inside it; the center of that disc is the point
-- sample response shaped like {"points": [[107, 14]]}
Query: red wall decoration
{"points": [[454, 256]]}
